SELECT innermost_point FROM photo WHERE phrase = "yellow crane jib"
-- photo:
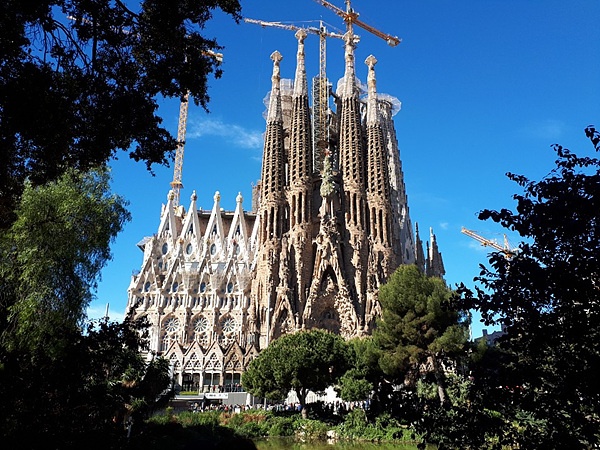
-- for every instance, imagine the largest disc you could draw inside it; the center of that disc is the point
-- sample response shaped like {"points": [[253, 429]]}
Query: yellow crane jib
{"points": [[506, 249], [351, 18]]}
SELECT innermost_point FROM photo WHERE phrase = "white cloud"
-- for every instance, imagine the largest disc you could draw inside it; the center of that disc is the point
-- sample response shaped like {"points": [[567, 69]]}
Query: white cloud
{"points": [[444, 225], [545, 129], [231, 133]]}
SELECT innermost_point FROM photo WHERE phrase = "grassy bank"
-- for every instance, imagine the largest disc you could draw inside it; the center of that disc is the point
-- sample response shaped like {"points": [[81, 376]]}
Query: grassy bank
{"points": [[187, 430]]}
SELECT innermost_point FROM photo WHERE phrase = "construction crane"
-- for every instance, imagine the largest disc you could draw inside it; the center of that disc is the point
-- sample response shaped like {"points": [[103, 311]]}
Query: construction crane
{"points": [[506, 249], [320, 84], [176, 184], [351, 17]]}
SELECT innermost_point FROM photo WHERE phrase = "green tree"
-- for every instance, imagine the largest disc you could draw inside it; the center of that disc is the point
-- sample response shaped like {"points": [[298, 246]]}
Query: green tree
{"points": [[359, 382], [418, 330], [80, 80], [304, 361], [547, 299], [52, 257], [63, 383]]}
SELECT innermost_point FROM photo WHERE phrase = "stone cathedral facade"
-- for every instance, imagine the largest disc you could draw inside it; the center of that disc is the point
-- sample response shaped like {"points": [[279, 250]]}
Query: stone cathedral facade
{"points": [[329, 223]]}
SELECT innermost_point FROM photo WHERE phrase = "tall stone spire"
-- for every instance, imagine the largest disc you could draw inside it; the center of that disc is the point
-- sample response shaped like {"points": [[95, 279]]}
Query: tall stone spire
{"points": [[435, 264], [351, 150], [381, 252], [420, 256], [300, 83], [352, 168], [378, 191], [273, 160], [274, 113], [300, 162], [272, 218], [296, 251], [372, 115]]}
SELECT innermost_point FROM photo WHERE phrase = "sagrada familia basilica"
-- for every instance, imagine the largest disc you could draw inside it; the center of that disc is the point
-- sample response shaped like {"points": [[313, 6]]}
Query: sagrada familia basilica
{"points": [[329, 224]]}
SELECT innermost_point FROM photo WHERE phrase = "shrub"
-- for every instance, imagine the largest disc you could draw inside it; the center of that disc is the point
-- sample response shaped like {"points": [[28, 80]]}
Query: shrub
{"points": [[309, 429], [282, 427]]}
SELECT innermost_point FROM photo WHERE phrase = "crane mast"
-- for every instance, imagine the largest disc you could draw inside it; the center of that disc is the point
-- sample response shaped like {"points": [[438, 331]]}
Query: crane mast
{"points": [[176, 184]]}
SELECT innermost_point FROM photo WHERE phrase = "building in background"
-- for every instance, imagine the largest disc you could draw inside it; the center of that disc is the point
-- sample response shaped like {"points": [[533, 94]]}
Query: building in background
{"points": [[328, 225]]}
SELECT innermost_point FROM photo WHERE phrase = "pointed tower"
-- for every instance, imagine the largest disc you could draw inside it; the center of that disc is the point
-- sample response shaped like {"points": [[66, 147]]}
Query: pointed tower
{"points": [[435, 264], [379, 213], [272, 214], [352, 168], [403, 241], [295, 257], [419, 255]]}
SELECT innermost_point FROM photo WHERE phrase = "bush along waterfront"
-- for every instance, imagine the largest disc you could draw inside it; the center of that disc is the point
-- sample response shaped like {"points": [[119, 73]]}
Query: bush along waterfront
{"points": [[182, 429]]}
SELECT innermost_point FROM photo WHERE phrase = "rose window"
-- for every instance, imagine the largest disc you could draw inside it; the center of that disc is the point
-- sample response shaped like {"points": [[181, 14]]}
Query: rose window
{"points": [[172, 325], [229, 325], [200, 324]]}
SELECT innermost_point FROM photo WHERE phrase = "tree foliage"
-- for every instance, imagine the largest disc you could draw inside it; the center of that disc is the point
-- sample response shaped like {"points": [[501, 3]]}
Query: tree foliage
{"points": [[80, 79], [64, 383], [87, 398], [52, 257], [304, 361], [359, 382], [418, 329], [548, 300]]}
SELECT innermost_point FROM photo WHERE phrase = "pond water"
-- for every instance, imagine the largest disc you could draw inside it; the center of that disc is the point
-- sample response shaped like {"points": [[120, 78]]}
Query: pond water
{"points": [[290, 444]]}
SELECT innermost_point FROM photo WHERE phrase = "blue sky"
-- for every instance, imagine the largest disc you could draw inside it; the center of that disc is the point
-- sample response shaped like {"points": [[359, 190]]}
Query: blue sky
{"points": [[487, 86]]}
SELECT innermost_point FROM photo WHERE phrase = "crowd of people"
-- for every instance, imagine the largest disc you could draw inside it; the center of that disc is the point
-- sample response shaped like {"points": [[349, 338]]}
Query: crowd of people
{"points": [[334, 407]]}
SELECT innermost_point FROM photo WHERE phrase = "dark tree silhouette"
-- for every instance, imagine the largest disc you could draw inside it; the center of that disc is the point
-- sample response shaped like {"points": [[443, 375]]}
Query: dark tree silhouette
{"points": [[548, 298], [80, 79]]}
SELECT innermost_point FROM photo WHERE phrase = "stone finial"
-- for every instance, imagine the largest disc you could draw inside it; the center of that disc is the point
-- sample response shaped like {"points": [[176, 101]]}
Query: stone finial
{"points": [[239, 198], [349, 88], [372, 116], [301, 35], [274, 113], [171, 195], [194, 197], [370, 62], [217, 197], [276, 58], [300, 83]]}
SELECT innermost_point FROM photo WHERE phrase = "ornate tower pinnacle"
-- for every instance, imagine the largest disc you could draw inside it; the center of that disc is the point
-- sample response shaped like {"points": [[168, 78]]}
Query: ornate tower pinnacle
{"points": [[300, 83], [372, 116], [273, 159], [349, 88], [275, 113]]}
